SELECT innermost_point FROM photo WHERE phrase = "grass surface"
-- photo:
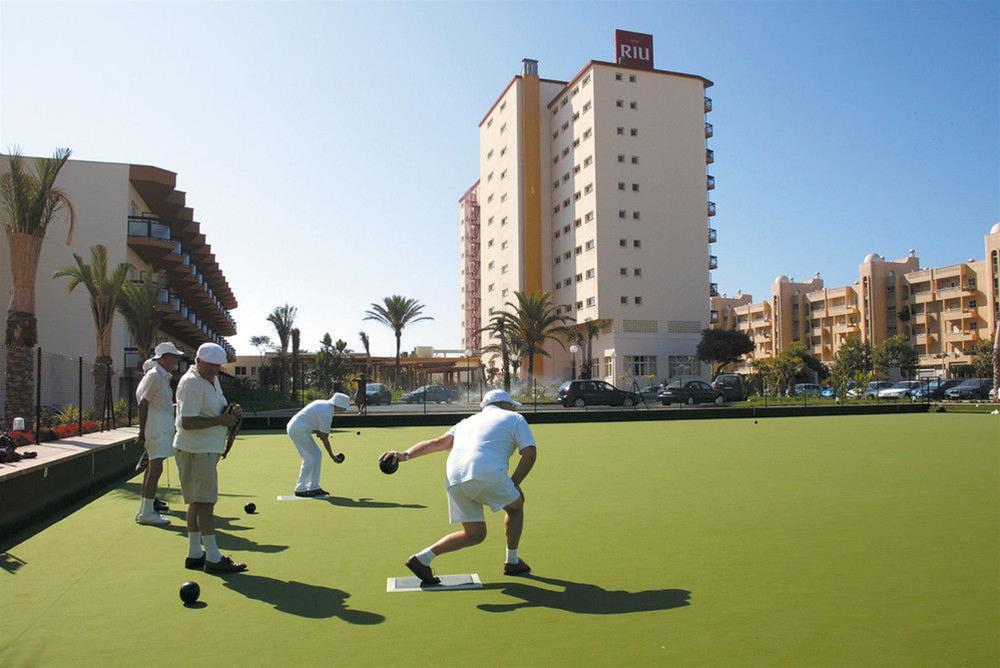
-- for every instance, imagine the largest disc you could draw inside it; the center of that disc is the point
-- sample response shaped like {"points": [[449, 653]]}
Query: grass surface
{"points": [[853, 540]]}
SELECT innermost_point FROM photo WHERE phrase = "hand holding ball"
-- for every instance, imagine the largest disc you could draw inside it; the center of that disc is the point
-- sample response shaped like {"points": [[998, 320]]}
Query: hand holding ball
{"points": [[388, 463], [339, 458]]}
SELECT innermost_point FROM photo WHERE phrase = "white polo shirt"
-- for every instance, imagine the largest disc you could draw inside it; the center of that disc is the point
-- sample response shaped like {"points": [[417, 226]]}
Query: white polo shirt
{"points": [[484, 443], [196, 397], [316, 416], [154, 388]]}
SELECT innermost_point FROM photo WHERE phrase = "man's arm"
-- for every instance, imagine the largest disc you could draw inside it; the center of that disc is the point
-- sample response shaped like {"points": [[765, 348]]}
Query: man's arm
{"points": [[528, 456], [422, 448], [201, 422], [143, 413], [323, 436]]}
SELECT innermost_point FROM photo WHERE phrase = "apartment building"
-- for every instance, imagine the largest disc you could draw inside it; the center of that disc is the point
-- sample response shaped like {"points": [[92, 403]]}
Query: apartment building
{"points": [[944, 311], [468, 221], [136, 212], [596, 190]]}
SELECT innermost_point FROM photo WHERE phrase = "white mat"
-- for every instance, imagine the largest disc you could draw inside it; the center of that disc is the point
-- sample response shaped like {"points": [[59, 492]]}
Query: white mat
{"points": [[448, 583], [303, 498]]}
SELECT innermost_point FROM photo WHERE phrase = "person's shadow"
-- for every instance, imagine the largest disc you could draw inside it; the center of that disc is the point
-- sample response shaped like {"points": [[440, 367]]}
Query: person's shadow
{"points": [[300, 599], [585, 599], [366, 502], [226, 540]]}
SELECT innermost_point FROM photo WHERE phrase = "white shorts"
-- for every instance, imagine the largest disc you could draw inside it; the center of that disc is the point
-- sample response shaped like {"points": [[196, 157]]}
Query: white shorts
{"points": [[466, 499], [160, 446]]}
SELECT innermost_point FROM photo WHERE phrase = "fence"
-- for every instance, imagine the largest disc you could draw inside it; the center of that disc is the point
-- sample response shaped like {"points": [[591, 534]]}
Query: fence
{"points": [[55, 395]]}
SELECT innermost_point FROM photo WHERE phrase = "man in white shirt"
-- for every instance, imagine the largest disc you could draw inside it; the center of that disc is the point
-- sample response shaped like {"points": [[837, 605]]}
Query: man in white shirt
{"points": [[480, 447], [156, 426], [315, 418], [202, 426]]}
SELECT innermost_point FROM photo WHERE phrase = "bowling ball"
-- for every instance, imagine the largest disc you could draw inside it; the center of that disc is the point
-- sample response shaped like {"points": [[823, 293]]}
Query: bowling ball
{"points": [[251, 508], [190, 591], [388, 465], [359, 433]]}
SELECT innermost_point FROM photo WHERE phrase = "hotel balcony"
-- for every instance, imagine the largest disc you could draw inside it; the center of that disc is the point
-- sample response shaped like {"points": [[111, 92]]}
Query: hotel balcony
{"points": [[962, 335], [922, 297], [711, 209], [713, 289], [713, 317], [845, 329], [713, 236], [713, 262], [709, 130], [708, 104], [710, 182], [709, 156], [149, 238]]}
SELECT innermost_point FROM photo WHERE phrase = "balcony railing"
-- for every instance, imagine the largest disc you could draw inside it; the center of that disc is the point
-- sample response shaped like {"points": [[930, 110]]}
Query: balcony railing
{"points": [[708, 104], [713, 236], [713, 289], [713, 262], [150, 228], [710, 182], [709, 130], [711, 208], [709, 156]]}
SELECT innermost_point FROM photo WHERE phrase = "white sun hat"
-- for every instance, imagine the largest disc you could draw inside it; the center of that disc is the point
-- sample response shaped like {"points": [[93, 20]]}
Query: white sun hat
{"points": [[166, 348], [341, 400], [212, 353], [498, 396]]}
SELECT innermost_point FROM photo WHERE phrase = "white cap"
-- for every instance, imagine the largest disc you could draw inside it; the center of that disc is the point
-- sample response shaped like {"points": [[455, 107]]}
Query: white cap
{"points": [[212, 353], [496, 397], [341, 400], [166, 348]]}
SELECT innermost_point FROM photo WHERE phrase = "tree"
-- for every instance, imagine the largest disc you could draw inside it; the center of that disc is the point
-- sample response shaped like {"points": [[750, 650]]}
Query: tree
{"points": [[262, 343], [396, 312], [584, 334], [283, 319], [982, 358], [723, 347], [498, 328], [895, 352], [138, 306], [851, 362], [105, 291], [788, 364], [366, 343], [534, 321], [30, 203], [296, 376]]}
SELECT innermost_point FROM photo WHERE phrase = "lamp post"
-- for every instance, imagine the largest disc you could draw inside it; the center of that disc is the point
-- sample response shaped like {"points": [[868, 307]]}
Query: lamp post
{"points": [[468, 375], [574, 349]]}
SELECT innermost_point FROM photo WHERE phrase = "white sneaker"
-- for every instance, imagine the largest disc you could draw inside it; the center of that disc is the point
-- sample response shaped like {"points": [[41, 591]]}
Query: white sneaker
{"points": [[152, 519]]}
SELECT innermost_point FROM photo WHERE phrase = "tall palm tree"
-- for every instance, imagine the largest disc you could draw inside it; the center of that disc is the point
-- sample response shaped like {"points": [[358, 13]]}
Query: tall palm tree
{"points": [[262, 343], [368, 350], [535, 320], [498, 328], [396, 312], [138, 306], [296, 376], [30, 202], [105, 291], [589, 330], [283, 319]]}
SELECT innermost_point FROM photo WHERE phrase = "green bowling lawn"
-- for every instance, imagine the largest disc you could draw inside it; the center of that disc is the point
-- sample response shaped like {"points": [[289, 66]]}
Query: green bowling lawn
{"points": [[792, 542]]}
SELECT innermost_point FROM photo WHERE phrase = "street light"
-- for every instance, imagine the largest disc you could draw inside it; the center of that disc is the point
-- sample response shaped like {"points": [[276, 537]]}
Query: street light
{"points": [[574, 349], [468, 375]]}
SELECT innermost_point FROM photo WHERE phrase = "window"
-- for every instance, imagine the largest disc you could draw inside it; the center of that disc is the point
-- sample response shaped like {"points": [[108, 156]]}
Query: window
{"points": [[565, 152], [503, 198], [577, 222], [555, 160], [621, 185], [566, 202], [635, 160], [640, 365], [576, 195], [579, 278], [240, 371], [590, 301], [567, 255], [624, 300], [490, 198], [623, 271], [579, 305], [589, 245], [566, 282], [637, 271], [633, 105], [555, 184], [620, 130], [503, 106], [555, 135], [564, 125], [576, 90], [489, 288], [587, 133], [502, 128], [564, 101], [557, 285], [637, 300], [579, 249], [503, 245], [489, 221], [635, 215], [503, 175], [558, 259], [490, 265], [621, 156], [589, 216], [558, 234], [634, 132], [586, 80], [576, 117], [503, 151], [503, 269], [576, 169], [503, 221], [621, 213], [489, 123], [490, 154], [489, 177], [631, 78], [636, 243], [589, 188], [489, 244], [588, 161], [576, 143], [503, 293], [621, 242], [618, 76], [556, 208], [590, 273], [565, 177], [587, 106], [635, 189], [619, 103], [566, 229]]}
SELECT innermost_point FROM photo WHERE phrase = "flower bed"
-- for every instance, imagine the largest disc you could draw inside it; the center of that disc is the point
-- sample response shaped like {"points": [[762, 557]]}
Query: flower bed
{"points": [[54, 433]]}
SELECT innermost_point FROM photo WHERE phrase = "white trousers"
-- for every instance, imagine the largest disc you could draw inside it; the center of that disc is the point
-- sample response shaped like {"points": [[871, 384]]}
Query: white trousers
{"points": [[312, 460]]}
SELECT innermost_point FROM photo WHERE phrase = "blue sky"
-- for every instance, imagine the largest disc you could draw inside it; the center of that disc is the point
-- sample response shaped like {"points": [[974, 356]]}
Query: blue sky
{"points": [[324, 145]]}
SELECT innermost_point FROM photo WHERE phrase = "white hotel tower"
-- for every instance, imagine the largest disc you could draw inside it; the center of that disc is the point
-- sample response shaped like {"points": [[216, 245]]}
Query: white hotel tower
{"points": [[596, 190]]}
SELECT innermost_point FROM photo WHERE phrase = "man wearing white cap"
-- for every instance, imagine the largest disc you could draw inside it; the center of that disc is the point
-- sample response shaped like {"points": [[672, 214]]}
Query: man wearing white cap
{"points": [[480, 447], [315, 418], [156, 425], [202, 426]]}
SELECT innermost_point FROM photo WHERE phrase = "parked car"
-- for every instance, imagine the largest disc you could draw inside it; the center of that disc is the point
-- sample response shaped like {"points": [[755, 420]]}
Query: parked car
{"points": [[378, 394], [935, 389], [828, 393], [972, 388], [902, 389], [648, 393], [690, 392], [810, 389], [580, 393], [731, 385], [434, 394], [873, 387]]}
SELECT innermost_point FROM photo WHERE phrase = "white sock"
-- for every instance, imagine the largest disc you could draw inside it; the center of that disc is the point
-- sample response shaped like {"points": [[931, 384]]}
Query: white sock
{"points": [[145, 506], [211, 549], [512, 556], [194, 544], [425, 556]]}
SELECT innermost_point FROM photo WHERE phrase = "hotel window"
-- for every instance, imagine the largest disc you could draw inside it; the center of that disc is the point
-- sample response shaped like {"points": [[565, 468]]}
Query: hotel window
{"points": [[566, 229], [489, 244], [587, 133], [502, 128], [489, 123], [576, 90], [503, 269], [558, 259], [618, 76], [490, 198], [489, 288], [589, 188], [503, 175], [565, 152], [577, 222], [635, 215], [635, 189], [503, 245], [503, 293], [624, 300], [587, 107], [590, 245], [633, 105], [557, 285], [621, 185], [489, 177], [588, 161], [503, 221], [555, 160], [576, 169], [586, 80], [576, 117], [579, 305], [621, 157], [576, 143], [490, 154], [567, 255], [634, 132], [489, 221], [555, 135], [503, 198], [564, 126], [566, 282], [636, 243], [576, 195], [619, 103], [503, 106], [590, 301], [556, 208], [558, 234], [589, 216], [590, 273], [620, 130], [635, 160], [490, 265], [555, 110], [565, 177], [631, 78], [555, 184], [579, 250], [621, 242], [623, 271], [503, 151], [637, 300], [566, 202], [637, 271], [579, 278], [564, 101]]}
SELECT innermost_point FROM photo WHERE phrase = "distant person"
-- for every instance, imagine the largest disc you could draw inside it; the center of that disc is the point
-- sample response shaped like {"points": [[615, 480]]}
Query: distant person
{"points": [[156, 427], [361, 397], [202, 428], [480, 447], [314, 418]]}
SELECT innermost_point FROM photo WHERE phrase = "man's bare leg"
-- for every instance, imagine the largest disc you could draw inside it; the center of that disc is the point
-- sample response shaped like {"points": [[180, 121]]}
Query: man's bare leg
{"points": [[472, 533], [513, 526], [151, 478]]}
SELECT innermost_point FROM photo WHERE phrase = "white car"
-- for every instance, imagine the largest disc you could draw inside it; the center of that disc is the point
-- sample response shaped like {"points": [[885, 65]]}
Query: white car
{"points": [[903, 388]]}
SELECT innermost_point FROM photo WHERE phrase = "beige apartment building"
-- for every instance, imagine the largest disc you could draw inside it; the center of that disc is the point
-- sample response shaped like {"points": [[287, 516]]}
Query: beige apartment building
{"points": [[596, 190], [944, 311], [139, 215]]}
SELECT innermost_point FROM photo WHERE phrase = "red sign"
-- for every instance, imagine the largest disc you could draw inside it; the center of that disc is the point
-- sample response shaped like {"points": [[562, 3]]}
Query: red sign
{"points": [[634, 49]]}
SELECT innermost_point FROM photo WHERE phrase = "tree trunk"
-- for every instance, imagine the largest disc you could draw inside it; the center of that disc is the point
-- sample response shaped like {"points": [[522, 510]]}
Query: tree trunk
{"points": [[283, 374], [20, 372], [102, 372], [25, 250], [396, 380], [531, 367]]}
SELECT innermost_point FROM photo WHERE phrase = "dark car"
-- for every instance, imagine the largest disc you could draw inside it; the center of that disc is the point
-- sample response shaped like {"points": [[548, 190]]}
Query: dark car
{"points": [[690, 392], [935, 389], [972, 388], [580, 393], [378, 394], [731, 385], [648, 393], [430, 394]]}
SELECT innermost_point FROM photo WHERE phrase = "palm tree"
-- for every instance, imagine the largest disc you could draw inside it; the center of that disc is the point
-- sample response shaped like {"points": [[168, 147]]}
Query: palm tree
{"points": [[262, 343], [396, 312], [138, 306], [588, 331], [296, 379], [497, 328], [105, 291], [30, 202], [535, 320], [283, 319]]}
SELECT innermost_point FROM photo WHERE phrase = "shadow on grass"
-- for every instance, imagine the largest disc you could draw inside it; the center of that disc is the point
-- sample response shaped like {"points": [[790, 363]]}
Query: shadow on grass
{"points": [[366, 502], [227, 541], [10, 563], [132, 490], [300, 599], [585, 599]]}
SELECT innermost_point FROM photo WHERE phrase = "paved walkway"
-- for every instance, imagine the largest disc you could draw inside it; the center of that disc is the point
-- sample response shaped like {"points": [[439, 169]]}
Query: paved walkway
{"points": [[51, 452]]}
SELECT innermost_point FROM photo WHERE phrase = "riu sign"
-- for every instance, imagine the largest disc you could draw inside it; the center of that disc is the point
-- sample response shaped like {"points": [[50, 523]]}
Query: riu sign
{"points": [[634, 49]]}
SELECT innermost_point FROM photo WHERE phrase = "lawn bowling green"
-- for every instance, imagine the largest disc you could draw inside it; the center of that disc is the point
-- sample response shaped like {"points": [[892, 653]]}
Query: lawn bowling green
{"points": [[856, 540]]}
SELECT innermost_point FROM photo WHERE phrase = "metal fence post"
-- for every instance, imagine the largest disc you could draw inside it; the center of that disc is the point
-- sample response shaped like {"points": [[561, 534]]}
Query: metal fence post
{"points": [[79, 397], [38, 399], [534, 392]]}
